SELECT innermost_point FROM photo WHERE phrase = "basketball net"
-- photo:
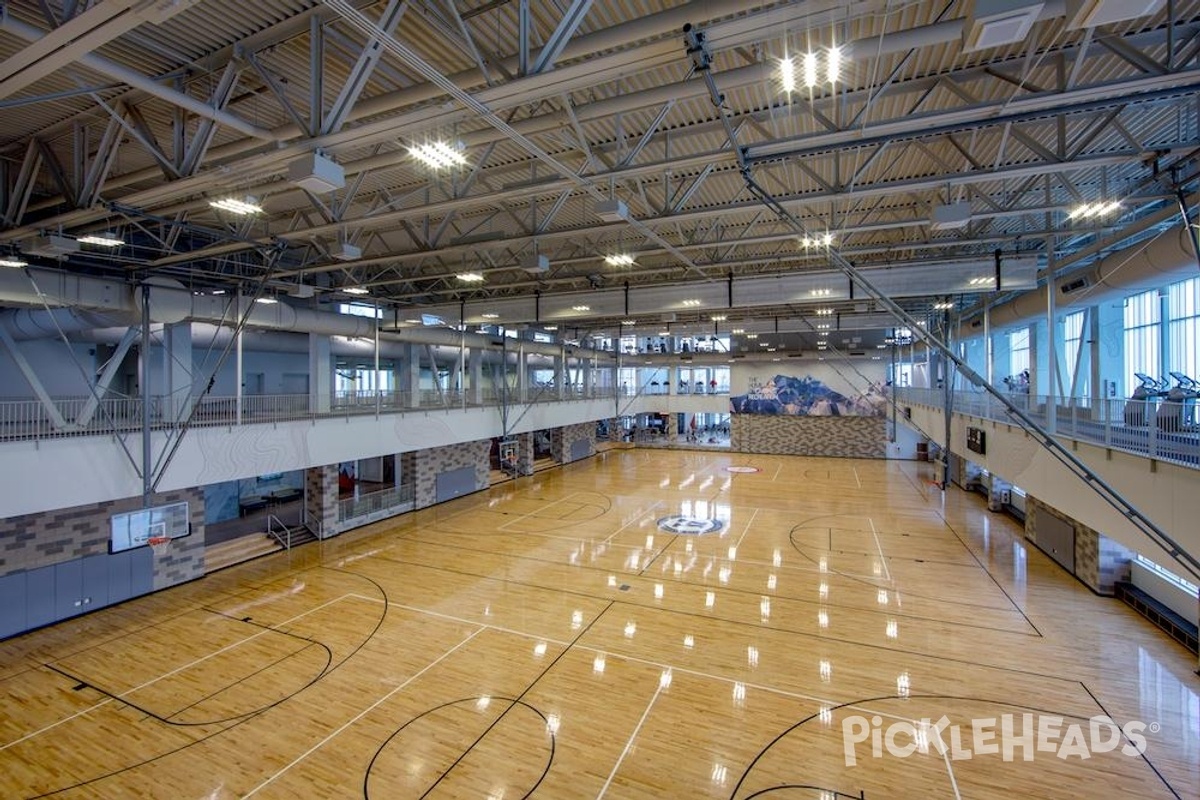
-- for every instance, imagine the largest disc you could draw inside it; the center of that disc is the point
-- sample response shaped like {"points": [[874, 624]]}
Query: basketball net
{"points": [[159, 544]]}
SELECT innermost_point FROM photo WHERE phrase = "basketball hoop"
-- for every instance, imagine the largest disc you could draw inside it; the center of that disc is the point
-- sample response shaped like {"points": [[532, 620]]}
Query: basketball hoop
{"points": [[159, 544]]}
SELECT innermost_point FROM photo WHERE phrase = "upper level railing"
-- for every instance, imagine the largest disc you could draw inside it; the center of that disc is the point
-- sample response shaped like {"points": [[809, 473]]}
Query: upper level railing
{"points": [[1143, 427], [25, 419]]}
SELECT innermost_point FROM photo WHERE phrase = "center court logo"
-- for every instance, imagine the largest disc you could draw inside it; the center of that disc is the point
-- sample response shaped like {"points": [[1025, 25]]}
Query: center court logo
{"points": [[1005, 736], [689, 526]]}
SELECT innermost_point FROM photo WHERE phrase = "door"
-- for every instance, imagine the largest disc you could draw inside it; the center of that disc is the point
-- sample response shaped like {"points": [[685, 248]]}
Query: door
{"points": [[254, 383], [12, 604], [455, 483]]}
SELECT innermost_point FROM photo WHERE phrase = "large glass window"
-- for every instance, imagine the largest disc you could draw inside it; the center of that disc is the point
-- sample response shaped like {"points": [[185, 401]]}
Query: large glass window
{"points": [[1143, 315], [1018, 360], [1072, 339], [356, 380], [1183, 328]]}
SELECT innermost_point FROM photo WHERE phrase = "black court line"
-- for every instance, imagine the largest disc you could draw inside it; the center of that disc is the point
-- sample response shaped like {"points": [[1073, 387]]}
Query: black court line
{"points": [[910, 593], [657, 555], [739, 623], [983, 567], [1144, 757], [512, 701], [519, 699], [244, 720], [734, 589]]}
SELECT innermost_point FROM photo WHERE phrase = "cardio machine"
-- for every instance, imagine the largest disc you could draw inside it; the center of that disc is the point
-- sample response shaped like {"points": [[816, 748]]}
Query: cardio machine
{"points": [[1139, 407], [1177, 411]]}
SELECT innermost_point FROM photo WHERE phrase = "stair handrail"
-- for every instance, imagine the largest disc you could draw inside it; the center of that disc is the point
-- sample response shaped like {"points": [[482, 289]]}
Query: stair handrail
{"points": [[286, 540]]}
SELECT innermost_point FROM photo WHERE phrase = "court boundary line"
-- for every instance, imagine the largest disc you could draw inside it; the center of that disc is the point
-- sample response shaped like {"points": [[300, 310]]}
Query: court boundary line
{"points": [[364, 712], [629, 742], [189, 665]]}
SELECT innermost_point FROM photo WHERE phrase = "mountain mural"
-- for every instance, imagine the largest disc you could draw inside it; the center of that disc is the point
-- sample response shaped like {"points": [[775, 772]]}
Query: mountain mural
{"points": [[788, 395]]}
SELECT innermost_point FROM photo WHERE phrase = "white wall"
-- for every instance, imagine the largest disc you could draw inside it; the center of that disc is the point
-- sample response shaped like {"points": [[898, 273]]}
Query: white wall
{"points": [[54, 366], [1168, 495]]}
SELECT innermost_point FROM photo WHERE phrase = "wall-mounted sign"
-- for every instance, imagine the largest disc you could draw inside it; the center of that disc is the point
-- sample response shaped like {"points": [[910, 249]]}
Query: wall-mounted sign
{"points": [[976, 440]]}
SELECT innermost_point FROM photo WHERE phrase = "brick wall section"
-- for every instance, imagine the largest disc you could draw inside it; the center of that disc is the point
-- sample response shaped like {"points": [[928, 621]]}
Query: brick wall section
{"points": [[321, 497], [1099, 561], [38, 540], [429, 463], [574, 433], [843, 437], [525, 453]]}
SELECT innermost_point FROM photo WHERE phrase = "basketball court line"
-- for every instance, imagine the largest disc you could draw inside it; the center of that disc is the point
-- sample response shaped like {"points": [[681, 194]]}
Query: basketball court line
{"points": [[366, 711], [856, 480], [152, 681], [639, 516], [629, 743], [749, 522], [536, 511], [777, 471], [887, 574]]}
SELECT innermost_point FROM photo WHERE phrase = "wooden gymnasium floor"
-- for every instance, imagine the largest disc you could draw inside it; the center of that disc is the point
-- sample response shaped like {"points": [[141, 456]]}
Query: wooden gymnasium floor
{"points": [[546, 638]]}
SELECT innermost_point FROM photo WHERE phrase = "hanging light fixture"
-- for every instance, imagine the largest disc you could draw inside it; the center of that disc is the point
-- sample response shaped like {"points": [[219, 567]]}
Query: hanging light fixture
{"points": [[438, 155], [106, 239], [240, 206]]}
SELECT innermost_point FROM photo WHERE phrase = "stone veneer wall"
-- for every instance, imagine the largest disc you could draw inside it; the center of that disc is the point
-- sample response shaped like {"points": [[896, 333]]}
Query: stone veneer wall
{"points": [[29, 541], [574, 433], [321, 498], [525, 453], [845, 437], [428, 464], [557, 446], [1099, 561]]}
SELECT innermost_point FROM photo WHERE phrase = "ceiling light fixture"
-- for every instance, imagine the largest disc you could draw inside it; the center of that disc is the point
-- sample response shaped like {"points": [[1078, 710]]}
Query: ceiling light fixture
{"points": [[737, 331], [12, 261], [106, 239], [490, 316], [581, 308], [810, 70], [943, 306], [470, 277], [1097, 209], [718, 317], [242, 207], [787, 74], [691, 303], [437, 155], [356, 290], [550, 328], [824, 312], [619, 260], [266, 301], [629, 322]]}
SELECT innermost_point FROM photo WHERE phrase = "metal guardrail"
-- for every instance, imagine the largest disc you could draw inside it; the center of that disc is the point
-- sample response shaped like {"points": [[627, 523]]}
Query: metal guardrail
{"points": [[282, 534], [25, 419], [374, 502], [1128, 425]]}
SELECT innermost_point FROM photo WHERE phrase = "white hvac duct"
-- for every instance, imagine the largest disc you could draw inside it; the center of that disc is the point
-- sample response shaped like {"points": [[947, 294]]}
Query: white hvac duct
{"points": [[81, 303], [1167, 258]]}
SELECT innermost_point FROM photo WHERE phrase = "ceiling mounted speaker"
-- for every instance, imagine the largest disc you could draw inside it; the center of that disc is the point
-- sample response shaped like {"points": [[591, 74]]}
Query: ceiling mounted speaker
{"points": [[997, 23], [1092, 13], [317, 173], [612, 210], [344, 251], [535, 265], [951, 217]]}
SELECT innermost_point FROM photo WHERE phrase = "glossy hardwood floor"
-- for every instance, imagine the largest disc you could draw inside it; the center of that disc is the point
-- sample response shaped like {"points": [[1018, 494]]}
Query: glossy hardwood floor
{"points": [[547, 638]]}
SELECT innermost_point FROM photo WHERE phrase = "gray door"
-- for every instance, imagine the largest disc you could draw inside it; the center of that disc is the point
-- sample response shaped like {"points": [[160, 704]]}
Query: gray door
{"points": [[580, 448], [95, 582], [455, 483], [141, 571], [68, 589], [12, 604], [120, 576], [39, 597], [1057, 539]]}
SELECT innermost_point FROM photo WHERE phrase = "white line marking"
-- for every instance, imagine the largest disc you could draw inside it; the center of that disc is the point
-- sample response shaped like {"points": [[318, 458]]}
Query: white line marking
{"points": [[747, 530], [629, 743], [882, 558], [365, 711], [638, 518], [950, 770], [856, 480], [536, 511], [189, 665], [777, 469]]}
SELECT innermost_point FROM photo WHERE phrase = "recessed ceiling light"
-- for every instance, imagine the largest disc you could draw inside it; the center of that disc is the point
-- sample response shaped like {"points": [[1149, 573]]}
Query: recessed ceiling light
{"points": [[469, 277], [234, 205], [105, 239]]}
